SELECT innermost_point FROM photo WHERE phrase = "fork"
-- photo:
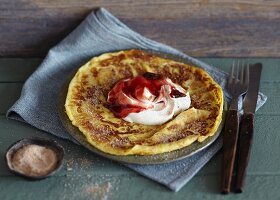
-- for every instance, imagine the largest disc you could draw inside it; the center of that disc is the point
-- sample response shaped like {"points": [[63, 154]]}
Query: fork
{"points": [[237, 86]]}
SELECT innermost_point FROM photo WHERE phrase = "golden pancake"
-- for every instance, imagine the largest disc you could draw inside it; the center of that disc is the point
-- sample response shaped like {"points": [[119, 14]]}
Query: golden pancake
{"points": [[86, 105]]}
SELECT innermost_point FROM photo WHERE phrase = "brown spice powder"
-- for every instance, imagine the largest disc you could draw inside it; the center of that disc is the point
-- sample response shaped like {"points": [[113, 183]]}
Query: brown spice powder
{"points": [[34, 160], [99, 191]]}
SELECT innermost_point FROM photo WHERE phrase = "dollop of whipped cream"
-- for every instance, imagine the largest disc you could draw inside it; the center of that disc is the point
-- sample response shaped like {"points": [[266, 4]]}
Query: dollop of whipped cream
{"points": [[150, 99]]}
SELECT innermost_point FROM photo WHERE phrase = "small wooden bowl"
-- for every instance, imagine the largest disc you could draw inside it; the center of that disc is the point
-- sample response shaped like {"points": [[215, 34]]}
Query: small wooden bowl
{"points": [[51, 144]]}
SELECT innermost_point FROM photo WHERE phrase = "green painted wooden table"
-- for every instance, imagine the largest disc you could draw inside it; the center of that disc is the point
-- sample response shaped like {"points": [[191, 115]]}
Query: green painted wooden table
{"points": [[88, 176]]}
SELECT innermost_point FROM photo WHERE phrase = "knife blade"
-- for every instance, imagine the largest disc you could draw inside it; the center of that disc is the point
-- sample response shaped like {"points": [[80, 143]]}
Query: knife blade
{"points": [[250, 100], [247, 125]]}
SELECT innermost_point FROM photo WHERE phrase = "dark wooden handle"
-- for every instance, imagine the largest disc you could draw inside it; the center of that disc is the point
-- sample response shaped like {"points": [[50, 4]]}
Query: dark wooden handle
{"points": [[229, 149], [244, 149]]}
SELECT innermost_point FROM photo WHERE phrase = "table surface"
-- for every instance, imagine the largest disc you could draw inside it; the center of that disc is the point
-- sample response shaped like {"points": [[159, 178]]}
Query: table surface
{"points": [[88, 176], [208, 28], [214, 28]]}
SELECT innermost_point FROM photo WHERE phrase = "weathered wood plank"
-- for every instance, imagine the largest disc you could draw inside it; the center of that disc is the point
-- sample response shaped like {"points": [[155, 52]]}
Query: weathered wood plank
{"points": [[9, 92], [271, 89], [132, 187], [79, 161], [18, 69], [270, 72], [270, 84], [199, 28], [87, 176]]}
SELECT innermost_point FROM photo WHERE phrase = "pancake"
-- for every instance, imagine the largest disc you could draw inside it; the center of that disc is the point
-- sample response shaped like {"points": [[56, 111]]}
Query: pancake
{"points": [[87, 108]]}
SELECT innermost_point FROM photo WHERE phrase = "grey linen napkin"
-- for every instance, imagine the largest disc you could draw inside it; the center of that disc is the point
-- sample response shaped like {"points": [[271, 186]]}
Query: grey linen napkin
{"points": [[101, 32]]}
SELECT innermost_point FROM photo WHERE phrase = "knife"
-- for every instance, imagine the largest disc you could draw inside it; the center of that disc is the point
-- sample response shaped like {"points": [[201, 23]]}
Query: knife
{"points": [[247, 125]]}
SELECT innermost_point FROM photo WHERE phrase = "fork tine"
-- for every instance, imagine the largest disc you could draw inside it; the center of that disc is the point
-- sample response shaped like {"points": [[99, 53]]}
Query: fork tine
{"points": [[237, 72], [237, 86], [241, 72], [246, 74], [232, 69], [231, 72]]}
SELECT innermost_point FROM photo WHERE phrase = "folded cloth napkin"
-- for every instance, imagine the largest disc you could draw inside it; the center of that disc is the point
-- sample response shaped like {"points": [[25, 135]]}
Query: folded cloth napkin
{"points": [[101, 32]]}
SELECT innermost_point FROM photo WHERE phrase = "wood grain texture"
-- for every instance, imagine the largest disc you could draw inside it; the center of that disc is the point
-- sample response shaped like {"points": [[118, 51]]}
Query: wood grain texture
{"points": [[244, 149], [90, 187], [230, 138], [17, 70], [264, 161], [87, 176], [11, 68], [83, 170], [14, 71], [11, 91], [199, 27]]}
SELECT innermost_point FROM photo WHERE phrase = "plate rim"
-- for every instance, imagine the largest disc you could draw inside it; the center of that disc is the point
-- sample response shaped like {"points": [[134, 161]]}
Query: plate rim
{"points": [[161, 158]]}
